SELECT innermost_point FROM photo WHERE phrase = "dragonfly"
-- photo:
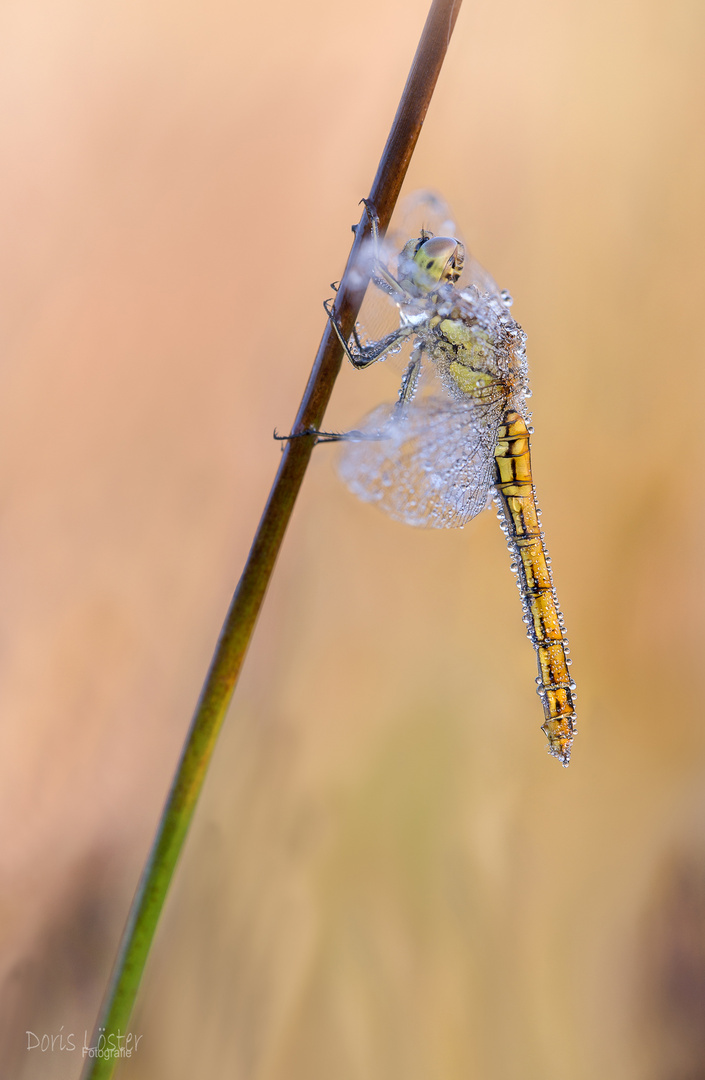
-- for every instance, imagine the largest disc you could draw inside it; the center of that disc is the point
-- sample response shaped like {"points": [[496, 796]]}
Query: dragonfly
{"points": [[458, 435]]}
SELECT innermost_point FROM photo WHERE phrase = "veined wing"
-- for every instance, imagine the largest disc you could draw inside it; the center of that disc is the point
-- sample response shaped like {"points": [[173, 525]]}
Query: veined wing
{"points": [[421, 211], [431, 465], [427, 210]]}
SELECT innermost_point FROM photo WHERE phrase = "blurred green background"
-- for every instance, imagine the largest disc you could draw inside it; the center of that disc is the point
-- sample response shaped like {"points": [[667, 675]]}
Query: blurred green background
{"points": [[388, 878]]}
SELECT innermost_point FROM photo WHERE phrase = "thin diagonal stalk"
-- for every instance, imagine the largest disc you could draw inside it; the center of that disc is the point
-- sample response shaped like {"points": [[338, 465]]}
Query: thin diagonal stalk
{"points": [[239, 623]]}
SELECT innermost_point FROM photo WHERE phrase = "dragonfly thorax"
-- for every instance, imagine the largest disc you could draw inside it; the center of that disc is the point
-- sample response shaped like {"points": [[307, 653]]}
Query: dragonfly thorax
{"points": [[428, 262]]}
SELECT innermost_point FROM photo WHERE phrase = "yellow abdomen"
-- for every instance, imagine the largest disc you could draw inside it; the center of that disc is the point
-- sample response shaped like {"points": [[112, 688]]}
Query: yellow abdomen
{"points": [[517, 500]]}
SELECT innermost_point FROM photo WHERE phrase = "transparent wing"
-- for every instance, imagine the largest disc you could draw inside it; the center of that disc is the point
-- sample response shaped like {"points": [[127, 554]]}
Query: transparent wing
{"points": [[429, 466], [379, 315], [429, 211]]}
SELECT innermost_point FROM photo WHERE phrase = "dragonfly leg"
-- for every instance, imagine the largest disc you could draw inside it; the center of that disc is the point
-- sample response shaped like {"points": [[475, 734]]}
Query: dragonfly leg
{"points": [[410, 381], [330, 436], [361, 356], [373, 218], [379, 273]]}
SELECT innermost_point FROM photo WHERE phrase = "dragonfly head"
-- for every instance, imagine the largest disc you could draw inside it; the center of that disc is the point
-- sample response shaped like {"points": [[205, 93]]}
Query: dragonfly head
{"points": [[430, 261]]}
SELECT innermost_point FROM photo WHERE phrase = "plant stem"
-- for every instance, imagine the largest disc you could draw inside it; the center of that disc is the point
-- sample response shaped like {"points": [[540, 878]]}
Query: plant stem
{"points": [[247, 600]]}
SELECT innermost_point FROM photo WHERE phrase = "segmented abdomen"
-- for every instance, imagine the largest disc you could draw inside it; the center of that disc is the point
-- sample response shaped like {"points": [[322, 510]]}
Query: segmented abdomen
{"points": [[517, 502]]}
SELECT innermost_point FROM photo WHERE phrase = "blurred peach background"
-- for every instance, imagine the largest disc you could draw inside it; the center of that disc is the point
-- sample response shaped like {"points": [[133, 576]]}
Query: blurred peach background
{"points": [[387, 876]]}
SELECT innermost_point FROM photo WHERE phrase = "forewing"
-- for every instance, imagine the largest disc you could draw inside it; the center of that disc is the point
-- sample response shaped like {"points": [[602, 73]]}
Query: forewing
{"points": [[423, 210], [429, 211], [430, 466]]}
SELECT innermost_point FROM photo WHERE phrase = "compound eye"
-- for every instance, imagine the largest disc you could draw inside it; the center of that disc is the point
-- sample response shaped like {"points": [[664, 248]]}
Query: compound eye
{"points": [[439, 259]]}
